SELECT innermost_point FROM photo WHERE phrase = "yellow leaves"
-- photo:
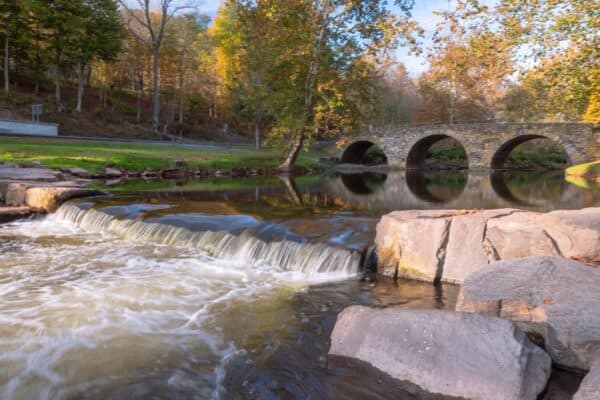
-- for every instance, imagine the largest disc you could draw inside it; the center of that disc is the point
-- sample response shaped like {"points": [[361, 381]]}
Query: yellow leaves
{"points": [[592, 113]]}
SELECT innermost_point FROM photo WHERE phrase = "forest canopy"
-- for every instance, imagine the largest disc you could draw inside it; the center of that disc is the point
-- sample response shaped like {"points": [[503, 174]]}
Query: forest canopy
{"points": [[294, 71]]}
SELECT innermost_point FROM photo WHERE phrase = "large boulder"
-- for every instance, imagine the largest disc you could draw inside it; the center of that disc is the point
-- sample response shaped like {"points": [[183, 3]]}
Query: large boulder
{"points": [[457, 354], [411, 250], [590, 387], [49, 198], [448, 245], [15, 194], [554, 299]]}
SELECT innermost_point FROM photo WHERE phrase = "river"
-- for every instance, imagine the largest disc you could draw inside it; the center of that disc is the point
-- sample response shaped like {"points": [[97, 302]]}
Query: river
{"points": [[223, 288]]}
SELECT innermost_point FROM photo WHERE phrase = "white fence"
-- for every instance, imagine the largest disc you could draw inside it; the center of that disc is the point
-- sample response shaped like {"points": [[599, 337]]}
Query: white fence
{"points": [[27, 128]]}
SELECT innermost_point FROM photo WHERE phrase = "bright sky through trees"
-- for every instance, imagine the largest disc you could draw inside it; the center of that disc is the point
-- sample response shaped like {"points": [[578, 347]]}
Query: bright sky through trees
{"points": [[422, 13]]}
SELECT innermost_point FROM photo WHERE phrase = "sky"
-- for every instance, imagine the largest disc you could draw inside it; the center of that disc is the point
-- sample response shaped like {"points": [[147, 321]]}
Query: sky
{"points": [[422, 12]]}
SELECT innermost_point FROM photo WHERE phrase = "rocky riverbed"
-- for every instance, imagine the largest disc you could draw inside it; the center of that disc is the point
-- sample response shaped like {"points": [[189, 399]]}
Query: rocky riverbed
{"points": [[529, 297], [26, 191]]}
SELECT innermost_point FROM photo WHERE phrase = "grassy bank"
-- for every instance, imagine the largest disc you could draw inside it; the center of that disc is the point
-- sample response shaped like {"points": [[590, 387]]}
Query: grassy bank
{"points": [[94, 156]]}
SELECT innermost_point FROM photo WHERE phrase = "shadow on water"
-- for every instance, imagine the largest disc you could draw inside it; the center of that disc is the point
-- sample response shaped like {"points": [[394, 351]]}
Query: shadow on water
{"points": [[529, 188], [364, 183]]}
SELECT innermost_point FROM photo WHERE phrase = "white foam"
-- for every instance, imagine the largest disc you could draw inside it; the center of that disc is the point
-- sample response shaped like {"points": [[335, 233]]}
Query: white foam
{"points": [[89, 300]]}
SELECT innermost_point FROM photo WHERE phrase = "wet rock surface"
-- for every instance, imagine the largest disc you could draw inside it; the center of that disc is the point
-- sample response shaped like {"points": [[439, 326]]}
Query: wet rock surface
{"points": [[590, 387], [554, 299], [457, 354], [448, 245], [8, 214]]}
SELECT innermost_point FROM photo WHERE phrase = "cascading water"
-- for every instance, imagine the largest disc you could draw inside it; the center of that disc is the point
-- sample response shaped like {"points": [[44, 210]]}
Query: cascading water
{"points": [[92, 302], [244, 247]]}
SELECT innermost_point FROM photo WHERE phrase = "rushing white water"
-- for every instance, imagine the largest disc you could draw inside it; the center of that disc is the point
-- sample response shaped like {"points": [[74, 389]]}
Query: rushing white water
{"points": [[91, 302], [244, 248]]}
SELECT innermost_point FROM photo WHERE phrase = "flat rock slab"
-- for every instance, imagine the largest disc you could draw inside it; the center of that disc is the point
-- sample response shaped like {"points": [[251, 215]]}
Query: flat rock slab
{"points": [[590, 387], [29, 174], [456, 354], [448, 245], [8, 214], [553, 298], [78, 172]]}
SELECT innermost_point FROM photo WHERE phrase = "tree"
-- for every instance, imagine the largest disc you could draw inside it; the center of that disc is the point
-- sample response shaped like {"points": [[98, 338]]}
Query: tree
{"points": [[592, 113], [466, 79], [148, 26], [555, 45], [187, 32], [62, 19], [348, 30], [101, 39], [315, 55], [11, 16], [397, 96], [468, 65]]}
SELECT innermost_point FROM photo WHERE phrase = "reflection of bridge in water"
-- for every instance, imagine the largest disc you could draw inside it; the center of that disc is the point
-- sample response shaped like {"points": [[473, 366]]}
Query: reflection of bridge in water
{"points": [[399, 190]]}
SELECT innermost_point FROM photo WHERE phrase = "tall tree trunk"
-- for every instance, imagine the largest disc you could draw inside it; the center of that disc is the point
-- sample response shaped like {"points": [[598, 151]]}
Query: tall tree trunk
{"points": [[155, 89], [57, 83], [452, 102], [313, 70], [37, 67], [80, 87], [289, 162], [140, 93], [181, 100], [6, 74], [257, 135]]}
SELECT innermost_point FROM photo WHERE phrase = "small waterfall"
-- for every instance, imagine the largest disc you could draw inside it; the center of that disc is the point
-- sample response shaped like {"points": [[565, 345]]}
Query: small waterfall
{"points": [[243, 248]]}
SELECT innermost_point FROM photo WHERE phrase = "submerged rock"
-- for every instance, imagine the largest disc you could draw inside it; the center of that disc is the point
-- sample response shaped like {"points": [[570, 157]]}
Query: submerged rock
{"points": [[552, 298], [456, 354], [448, 245]]}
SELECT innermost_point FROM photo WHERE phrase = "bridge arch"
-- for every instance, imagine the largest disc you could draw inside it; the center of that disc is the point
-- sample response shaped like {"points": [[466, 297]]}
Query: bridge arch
{"points": [[501, 154], [417, 150], [356, 152]]}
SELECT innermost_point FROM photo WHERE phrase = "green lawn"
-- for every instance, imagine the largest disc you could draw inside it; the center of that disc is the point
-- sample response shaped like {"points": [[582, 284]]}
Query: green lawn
{"points": [[94, 156]]}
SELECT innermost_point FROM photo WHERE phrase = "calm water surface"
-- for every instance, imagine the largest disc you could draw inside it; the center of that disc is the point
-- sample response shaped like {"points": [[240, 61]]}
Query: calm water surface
{"points": [[223, 288]]}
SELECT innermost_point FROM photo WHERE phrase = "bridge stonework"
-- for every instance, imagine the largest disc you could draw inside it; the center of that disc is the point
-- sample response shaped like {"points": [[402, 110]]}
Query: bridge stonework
{"points": [[487, 144]]}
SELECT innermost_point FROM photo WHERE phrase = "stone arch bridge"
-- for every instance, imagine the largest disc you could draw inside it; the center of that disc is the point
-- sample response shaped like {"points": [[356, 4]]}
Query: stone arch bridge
{"points": [[487, 144]]}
